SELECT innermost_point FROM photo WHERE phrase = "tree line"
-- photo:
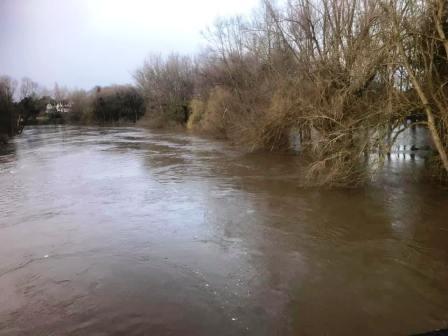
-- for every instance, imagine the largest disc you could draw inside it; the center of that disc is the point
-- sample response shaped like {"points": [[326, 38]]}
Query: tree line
{"points": [[346, 76], [23, 103], [111, 104]]}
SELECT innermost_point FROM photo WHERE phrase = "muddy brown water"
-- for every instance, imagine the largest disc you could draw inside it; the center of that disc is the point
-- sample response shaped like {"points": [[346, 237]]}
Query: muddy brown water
{"points": [[122, 231]]}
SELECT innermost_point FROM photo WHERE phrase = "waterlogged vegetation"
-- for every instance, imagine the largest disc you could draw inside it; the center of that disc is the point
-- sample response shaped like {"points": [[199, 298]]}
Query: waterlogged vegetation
{"points": [[339, 80], [347, 77]]}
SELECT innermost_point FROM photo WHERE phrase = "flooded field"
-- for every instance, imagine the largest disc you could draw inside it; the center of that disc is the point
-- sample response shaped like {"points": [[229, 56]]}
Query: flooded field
{"points": [[122, 231]]}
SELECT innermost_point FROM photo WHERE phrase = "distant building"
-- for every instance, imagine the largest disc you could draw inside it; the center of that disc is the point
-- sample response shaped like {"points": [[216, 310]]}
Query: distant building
{"points": [[61, 107], [50, 108], [64, 107]]}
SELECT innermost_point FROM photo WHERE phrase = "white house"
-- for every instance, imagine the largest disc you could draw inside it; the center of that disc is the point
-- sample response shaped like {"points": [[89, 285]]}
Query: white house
{"points": [[61, 107]]}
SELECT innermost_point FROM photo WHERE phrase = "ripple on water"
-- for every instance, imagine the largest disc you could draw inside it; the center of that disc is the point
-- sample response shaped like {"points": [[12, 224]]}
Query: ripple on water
{"points": [[126, 231]]}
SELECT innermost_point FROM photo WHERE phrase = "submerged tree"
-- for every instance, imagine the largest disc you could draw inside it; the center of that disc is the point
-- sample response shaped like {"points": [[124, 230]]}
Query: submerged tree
{"points": [[345, 76], [419, 33]]}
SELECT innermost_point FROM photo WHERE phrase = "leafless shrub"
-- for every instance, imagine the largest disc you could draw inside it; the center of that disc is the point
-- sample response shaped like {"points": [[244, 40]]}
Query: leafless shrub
{"points": [[82, 110], [418, 31], [167, 87], [343, 76]]}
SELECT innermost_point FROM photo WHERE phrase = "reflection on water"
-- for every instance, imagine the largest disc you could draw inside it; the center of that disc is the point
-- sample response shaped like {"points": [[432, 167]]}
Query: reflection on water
{"points": [[123, 231]]}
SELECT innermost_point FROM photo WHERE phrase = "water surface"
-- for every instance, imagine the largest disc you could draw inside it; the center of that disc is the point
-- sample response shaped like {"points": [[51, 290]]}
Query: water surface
{"points": [[122, 231]]}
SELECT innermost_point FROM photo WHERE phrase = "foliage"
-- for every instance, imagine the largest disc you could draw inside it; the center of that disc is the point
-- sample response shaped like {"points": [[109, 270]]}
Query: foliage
{"points": [[117, 103], [8, 111]]}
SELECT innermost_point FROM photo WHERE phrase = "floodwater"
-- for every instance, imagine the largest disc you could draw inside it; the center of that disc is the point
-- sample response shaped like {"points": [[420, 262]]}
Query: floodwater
{"points": [[122, 231]]}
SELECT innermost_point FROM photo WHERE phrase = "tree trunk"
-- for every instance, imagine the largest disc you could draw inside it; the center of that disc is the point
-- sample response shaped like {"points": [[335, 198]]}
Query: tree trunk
{"points": [[425, 102]]}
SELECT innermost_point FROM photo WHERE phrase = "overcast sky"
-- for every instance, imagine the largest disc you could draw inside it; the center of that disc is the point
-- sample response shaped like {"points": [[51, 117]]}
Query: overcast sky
{"points": [[83, 43]]}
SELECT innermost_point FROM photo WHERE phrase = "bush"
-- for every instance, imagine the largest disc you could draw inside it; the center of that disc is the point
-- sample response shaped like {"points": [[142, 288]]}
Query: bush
{"points": [[167, 87], [117, 103], [9, 116], [197, 111]]}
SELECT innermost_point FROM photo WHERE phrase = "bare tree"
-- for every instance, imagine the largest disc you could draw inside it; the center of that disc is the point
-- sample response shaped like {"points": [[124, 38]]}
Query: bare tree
{"points": [[59, 93], [419, 33], [28, 88], [343, 75], [167, 86]]}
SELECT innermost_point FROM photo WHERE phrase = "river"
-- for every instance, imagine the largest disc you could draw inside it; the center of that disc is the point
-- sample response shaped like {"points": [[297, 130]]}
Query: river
{"points": [[123, 231]]}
